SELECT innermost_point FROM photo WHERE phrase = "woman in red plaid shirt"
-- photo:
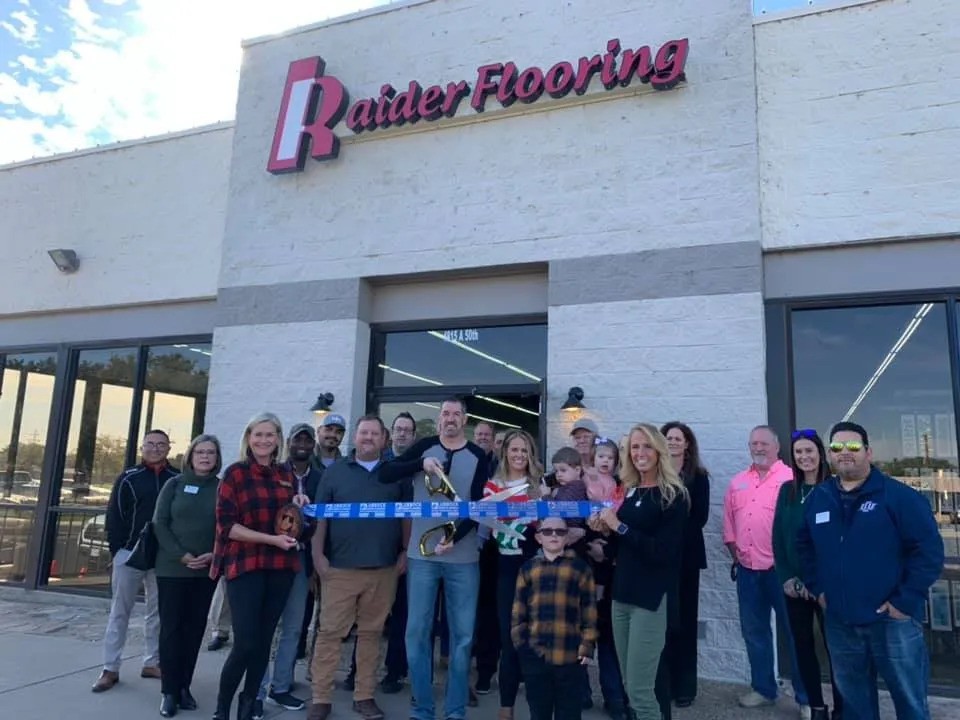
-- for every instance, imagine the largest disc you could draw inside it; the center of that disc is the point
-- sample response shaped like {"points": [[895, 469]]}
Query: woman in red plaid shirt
{"points": [[258, 525]]}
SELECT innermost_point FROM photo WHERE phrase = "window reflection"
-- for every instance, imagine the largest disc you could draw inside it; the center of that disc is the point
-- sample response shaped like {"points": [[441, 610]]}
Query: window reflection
{"points": [[508, 355], [26, 396], [888, 368]]}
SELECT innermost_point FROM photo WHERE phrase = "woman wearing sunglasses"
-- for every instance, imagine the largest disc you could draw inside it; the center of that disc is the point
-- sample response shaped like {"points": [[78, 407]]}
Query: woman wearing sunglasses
{"points": [[808, 459]]}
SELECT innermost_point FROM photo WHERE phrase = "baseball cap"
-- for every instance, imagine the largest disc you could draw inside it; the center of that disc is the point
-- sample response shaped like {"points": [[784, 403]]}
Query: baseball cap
{"points": [[302, 428], [334, 419], [585, 424]]}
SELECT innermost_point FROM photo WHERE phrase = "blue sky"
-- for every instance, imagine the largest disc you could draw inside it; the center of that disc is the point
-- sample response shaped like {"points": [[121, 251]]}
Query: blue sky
{"points": [[78, 73]]}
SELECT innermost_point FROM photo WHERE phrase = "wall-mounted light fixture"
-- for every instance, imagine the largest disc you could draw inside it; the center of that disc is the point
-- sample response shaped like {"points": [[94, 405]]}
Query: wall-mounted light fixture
{"points": [[574, 401], [323, 404], [65, 260]]}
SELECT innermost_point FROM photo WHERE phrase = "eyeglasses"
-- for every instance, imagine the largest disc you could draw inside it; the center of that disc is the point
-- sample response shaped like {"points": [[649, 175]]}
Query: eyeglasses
{"points": [[807, 433], [550, 532], [852, 446]]}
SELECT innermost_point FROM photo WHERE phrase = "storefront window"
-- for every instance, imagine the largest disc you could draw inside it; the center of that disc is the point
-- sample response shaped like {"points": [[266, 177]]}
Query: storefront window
{"points": [[888, 369], [506, 355], [26, 396]]}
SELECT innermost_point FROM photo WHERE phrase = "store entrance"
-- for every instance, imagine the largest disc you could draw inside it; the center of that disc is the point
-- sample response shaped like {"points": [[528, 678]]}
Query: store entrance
{"points": [[505, 411], [498, 370]]}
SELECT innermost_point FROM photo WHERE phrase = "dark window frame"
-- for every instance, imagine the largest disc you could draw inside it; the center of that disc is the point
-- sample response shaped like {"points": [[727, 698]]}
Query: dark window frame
{"points": [[378, 393], [44, 530], [780, 381]]}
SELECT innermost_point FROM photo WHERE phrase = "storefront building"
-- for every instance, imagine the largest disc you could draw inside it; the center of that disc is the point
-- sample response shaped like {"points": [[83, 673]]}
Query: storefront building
{"points": [[687, 213]]}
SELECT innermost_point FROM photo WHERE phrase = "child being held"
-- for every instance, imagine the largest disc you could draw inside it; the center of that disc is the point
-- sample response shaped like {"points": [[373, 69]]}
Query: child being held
{"points": [[554, 624], [568, 470], [602, 484]]}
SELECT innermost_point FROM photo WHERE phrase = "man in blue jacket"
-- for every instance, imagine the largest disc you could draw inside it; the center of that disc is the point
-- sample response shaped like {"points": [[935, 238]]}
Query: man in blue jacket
{"points": [[869, 551]]}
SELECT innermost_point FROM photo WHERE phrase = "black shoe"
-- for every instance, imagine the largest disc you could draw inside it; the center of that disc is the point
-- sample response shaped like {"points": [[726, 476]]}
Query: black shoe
{"points": [[187, 701], [391, 686], [684, 702], [168, 705], [218, 642], [837, 714], [245, 707], [223, 710], [615, 712], [258, 709], [483, 686], [819, 714], [285, 700], [349, 682]]}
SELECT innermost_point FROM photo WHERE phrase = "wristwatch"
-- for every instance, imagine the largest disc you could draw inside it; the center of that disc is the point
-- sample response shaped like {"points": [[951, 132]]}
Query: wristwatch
{"points": [[622, 529]]}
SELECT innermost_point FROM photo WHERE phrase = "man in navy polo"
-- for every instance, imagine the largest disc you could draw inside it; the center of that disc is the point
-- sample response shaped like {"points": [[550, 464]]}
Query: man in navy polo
{"points": [[869, 550]]}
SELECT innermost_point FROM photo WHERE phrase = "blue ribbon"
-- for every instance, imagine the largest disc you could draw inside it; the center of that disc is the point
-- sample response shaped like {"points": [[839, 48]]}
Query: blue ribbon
{"points": [[455, 510]]}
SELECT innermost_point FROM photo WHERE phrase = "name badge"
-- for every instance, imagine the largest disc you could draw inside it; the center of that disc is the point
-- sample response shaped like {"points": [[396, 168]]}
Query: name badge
{"points": [[822, 517], [191, 489]]}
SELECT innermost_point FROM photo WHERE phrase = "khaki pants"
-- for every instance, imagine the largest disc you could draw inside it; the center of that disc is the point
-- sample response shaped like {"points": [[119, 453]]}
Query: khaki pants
{"points": [[363, 597]]}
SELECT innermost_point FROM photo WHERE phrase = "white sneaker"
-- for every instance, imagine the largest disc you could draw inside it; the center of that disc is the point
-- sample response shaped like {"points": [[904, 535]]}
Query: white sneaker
{"points": [[804, 712], [753, 699]]}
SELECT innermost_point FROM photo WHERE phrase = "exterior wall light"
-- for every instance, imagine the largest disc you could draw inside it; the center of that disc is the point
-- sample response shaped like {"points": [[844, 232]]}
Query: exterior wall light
{"points": [[322, 406], [65, 260], [574, 401]]}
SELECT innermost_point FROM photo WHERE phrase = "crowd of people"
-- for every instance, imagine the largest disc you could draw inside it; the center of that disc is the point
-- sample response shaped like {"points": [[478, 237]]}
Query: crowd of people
{"points": [[822, 538]]}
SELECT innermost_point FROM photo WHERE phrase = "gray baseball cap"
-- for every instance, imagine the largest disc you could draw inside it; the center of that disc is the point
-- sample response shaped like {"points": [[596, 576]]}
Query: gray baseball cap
{"points": [[302, 428], [585, 424], [334, 419]]}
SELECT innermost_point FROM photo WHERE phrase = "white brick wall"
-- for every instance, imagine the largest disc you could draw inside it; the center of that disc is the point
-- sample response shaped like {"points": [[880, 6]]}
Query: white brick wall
{"points": [[858, 123], [696, 359], [282, 369], [672, 168], [145, 219]]}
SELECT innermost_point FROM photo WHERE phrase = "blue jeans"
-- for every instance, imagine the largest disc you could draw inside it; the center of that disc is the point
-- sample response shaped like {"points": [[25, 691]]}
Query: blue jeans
{"points": [[759, 592], [893, 648], [461, 583], [291, 625]]}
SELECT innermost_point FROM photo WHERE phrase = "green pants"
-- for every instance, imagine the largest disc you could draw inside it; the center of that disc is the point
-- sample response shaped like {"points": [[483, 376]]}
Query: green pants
{"points": [[639, 636]]}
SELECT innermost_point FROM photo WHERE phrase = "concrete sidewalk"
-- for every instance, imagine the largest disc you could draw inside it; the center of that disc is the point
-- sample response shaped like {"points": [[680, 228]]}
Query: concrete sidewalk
{"points": [[50, 654]]}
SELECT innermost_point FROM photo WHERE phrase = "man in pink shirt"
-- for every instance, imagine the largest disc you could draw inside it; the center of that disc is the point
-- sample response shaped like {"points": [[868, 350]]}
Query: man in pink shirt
{"points": [[748, 510]]}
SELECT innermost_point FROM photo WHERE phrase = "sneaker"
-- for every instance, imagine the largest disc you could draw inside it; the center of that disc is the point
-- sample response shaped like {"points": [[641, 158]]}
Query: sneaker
{"points": [[257, 710], [368, 709], [483, 686], [319, 711], [218, 642], [391, 686], [285, 700], [753, 699]]}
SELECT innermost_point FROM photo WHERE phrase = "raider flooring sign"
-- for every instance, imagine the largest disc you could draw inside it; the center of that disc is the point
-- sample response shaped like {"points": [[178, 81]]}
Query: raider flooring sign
{"points": [[314, 104]]}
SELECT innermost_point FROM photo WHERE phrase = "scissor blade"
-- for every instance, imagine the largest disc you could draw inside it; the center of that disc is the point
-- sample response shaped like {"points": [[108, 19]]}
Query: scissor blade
{"points": [[505, 494], [499, 527]]}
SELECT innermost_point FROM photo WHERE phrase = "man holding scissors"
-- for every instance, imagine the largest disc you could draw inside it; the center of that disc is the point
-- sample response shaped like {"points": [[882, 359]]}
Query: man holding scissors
{"points": [[454, 560]]}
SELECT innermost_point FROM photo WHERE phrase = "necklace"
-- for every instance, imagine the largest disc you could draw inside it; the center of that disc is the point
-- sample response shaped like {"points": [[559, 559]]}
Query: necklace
{"points": [[805, 495], [643, 494]]}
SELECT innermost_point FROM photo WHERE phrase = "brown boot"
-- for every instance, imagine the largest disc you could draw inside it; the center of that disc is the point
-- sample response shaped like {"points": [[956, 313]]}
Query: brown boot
{"points": [[319, 711], [368, 709], [150, 671], [107, 679]]}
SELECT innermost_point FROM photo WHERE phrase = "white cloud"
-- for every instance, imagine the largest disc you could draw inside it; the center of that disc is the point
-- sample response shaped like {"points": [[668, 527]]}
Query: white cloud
{"points": [[26, 31], [178, 68]]}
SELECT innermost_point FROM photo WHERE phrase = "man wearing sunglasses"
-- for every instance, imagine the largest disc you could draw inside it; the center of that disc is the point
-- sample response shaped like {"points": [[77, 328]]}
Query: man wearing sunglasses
{"points": [[869, 551]]}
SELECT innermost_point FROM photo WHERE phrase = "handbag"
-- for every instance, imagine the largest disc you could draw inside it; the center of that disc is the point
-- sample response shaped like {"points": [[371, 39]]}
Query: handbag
{"points": [[144, 553]]}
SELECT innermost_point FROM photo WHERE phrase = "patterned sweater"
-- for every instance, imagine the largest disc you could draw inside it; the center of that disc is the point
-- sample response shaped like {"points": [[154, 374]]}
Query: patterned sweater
{"points": [[509, 545]]}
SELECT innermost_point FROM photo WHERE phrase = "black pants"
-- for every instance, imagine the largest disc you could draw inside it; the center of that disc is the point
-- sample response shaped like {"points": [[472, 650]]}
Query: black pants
{"points": [[681, 648], [256, 600], [184, 604], [486, 644], [553, 691], [305, 627], [801, 614], [508, 680]]}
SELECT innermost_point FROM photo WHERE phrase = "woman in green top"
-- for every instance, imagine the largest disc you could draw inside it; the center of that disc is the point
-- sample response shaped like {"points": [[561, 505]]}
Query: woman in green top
{"points": [[185, 526], [809, 462]]}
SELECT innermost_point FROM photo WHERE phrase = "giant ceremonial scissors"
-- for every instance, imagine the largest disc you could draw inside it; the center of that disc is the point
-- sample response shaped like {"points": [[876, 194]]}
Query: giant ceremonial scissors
{"points": [[443, 487]]}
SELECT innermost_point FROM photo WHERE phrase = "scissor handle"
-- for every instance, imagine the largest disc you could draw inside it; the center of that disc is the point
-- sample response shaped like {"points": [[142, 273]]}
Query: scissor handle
{"points": [[447, 530], [443, 486]]}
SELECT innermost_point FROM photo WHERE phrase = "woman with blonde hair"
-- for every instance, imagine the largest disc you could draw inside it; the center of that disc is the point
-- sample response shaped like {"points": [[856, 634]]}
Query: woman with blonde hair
{"points": [[517, 465], [647, 541], [258, 526]]}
